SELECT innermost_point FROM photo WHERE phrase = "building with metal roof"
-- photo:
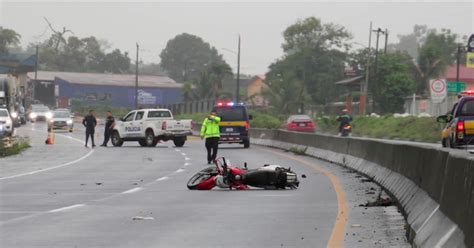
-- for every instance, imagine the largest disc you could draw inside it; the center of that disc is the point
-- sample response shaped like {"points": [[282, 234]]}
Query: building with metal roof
{"points": [[60, 89]]}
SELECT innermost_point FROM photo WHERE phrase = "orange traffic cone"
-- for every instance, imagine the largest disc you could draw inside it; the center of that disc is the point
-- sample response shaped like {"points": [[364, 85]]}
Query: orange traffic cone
{"points": [[50, 139]]}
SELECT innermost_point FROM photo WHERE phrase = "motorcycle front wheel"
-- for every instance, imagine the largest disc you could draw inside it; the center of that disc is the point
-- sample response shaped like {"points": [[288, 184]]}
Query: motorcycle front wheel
{"points": [[201, 176]]}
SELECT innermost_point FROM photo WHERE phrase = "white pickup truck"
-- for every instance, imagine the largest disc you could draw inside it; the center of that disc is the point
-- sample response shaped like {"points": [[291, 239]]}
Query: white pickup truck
{"points": [[149, 126]]}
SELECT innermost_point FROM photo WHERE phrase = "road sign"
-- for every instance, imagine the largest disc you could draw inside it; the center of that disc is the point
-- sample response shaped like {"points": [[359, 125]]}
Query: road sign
{"points": [[470, 44], [438, 90], [470, 60], [456, 87]]}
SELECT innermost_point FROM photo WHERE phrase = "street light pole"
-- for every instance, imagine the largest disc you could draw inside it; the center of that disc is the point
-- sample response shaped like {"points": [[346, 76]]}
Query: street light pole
{"points": [[237, 91], [363, 98], [378, 31], [136, 80]]}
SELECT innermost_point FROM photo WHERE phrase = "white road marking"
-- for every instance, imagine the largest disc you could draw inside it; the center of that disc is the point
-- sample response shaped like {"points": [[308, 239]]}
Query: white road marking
{"points": [[177, 150], [66, 208], [186, 164], [179, 170], [276, 195], [186, 158], [161, 179], [132, 190], [50, 168], [54, 167], [184, 154]]}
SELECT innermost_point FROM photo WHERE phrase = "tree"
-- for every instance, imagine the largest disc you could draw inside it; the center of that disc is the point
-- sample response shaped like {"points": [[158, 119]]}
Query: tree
{"points": [[220, 71], [186, 56], [8, 38], [81, 55], [203, 86], [395, 82], [313, 34], [314, 59], [435, 55], [411, 43]]}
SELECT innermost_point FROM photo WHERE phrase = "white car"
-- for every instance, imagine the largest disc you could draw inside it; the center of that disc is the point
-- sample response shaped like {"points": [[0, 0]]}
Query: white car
{"points": [[40, 112], [6, 123], [149, 126], [61, 120]]}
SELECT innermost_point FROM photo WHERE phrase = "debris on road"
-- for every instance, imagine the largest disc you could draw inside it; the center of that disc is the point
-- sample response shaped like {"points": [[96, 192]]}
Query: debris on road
{"points": [[143, 218], [356, 225], [380, 202], [98, 183]]}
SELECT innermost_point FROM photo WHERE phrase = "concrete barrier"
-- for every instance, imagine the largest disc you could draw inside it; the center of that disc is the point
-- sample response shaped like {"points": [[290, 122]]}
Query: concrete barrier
{"points": [[434, 186]]}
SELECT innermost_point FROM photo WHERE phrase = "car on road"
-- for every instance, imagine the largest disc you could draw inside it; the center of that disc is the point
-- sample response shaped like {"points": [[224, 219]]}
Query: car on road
{"points": [[300, 123], [149, 126], [459, 129], [6, 122], [39, 112], [235, 123], [61, 120]]}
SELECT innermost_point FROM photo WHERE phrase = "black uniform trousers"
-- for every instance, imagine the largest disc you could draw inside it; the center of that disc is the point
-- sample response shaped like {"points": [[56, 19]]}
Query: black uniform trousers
{"points": [[212, 145], [90, 132]]}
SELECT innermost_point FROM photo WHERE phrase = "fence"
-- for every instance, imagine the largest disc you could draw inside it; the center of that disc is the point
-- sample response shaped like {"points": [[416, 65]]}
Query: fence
{"points": [[203, 106]]}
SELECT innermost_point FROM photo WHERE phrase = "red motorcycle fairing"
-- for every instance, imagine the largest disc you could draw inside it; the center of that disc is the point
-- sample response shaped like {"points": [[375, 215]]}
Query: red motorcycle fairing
{"points": [[207, 184]]}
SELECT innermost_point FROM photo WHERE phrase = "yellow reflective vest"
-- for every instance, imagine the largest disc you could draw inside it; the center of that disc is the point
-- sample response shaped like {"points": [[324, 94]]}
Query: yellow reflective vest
{"points": [[210, 127]]}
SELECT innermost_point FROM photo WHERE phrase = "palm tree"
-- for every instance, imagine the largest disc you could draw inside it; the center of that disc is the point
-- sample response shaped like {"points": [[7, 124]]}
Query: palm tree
{"points": [[219, 71], [203, 86], [8, 37]]}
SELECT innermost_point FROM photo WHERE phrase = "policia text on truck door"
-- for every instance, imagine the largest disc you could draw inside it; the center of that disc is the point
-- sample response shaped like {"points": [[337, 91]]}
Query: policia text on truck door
{"points": [[235, 123]]}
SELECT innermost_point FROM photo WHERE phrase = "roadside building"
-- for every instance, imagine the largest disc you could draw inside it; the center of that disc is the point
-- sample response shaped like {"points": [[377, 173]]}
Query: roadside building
{"points": [[255, 89], [61, 89], [466, 75]]}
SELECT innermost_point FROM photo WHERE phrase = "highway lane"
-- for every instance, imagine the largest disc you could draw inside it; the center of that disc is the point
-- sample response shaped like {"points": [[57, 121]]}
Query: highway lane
{"points": [[92, 203]]}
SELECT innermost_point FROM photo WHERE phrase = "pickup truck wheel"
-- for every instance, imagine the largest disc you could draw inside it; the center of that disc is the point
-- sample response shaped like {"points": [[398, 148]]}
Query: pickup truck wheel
{"points": [[142, 143], [150, 139], [179, 142], [246, 143], [116, 140]]}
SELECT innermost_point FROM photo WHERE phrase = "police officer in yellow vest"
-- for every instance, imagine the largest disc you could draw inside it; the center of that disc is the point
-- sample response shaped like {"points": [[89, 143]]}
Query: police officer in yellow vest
{"points": [[210, 131]]}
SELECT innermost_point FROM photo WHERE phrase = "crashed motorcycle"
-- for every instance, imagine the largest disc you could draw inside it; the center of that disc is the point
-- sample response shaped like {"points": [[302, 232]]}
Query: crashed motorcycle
{"points": [[223, 175]]}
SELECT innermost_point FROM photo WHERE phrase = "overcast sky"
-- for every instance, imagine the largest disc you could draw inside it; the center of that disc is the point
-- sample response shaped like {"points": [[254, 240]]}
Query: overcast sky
{"points": [[260, 24]]}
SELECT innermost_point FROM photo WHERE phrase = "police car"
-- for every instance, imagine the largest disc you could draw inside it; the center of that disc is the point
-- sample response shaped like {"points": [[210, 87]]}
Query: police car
{"points": [[149, 126], [235, 123], [459, 129]]}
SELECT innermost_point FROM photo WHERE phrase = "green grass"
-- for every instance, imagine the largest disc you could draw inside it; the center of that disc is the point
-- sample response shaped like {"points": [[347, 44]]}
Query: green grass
{"points": [[424, 129], [19, 144]]}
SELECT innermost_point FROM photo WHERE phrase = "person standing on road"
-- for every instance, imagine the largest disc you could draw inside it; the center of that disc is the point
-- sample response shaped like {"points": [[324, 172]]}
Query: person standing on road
{"points": [[89, 123], [210, 131], [109, 126]]}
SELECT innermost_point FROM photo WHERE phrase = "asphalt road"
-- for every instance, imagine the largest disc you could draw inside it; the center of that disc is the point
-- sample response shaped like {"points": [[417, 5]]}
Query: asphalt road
{"points": [[66, 195]]}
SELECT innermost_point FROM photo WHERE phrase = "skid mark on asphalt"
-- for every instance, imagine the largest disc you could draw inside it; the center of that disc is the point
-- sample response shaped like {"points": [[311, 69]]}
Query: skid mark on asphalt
{"points": [[338, 232]]}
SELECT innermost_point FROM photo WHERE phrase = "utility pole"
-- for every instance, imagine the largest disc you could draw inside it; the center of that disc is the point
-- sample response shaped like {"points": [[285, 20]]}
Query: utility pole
{"points": [[136, 80], [237, 91], [365, 88], [36, 75], [458, 58], [386, 41], [378, 31]]}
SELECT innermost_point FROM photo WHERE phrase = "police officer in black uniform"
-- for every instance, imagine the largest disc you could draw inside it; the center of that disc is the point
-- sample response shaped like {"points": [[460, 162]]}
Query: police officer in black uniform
{"points": [[109, 126], [89, 123]]}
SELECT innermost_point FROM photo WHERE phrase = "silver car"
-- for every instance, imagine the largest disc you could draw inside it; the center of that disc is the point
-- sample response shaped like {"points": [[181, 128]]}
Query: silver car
{"points": [[61, 120]]}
